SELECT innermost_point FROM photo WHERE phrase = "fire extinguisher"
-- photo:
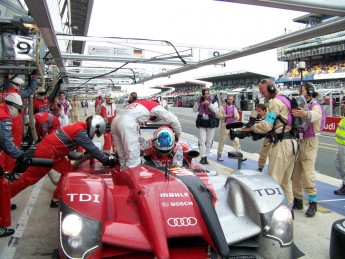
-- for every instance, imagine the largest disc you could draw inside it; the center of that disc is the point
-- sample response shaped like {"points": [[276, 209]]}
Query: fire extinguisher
{"points": [[5, 201]]}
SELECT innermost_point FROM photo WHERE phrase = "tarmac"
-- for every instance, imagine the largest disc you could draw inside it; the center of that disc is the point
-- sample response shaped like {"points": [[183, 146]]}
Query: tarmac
{"points": [[36, 223]]}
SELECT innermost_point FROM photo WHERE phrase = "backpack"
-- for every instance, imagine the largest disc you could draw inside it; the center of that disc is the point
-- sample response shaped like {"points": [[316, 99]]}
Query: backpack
{"points": [[297, 124], [324, 115]]}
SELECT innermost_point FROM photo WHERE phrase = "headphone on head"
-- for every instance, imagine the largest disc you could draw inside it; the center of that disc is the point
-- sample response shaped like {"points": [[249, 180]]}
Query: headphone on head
{"points": [[311, 90], [271, 88]]}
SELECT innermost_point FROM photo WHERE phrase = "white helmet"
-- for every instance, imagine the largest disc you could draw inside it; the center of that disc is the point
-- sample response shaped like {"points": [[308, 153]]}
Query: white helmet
{"points": [[95, 125], [17, 81], [164, 140], [14, 99]]}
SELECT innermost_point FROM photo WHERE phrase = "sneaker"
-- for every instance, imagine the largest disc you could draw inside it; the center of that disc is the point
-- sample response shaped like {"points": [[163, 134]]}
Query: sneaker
{"points": [[5, 232], [243, 159], [312, 209], [13, 206], [297, 204], [341, 191], [54, 204], [259, 169], [219, 158]]}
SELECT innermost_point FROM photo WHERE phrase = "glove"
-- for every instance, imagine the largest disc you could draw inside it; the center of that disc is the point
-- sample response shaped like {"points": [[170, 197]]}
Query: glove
{"points": [[33, 72], [108, 127], [22, 163], [111, 161]]}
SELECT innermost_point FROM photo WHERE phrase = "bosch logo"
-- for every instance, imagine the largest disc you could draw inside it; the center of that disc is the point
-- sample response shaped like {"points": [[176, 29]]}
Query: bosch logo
{"points": [[165, 204], [182, 222]]}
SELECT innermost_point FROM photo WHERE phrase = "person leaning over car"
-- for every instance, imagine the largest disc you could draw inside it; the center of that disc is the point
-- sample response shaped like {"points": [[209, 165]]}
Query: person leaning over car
{"points": [[9, 109], [277, 125], [206, 122], [57, 145], [125, 129]]}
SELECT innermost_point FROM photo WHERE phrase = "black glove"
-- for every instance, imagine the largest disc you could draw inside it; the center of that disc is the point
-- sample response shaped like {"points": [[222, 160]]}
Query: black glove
{"points": [[108, 127], [22, 163], [111, 162], [33, 72]]}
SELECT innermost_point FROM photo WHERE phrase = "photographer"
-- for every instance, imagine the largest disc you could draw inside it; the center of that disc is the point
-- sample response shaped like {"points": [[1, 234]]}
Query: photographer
{"points": [[277, 125], [227, 113], [206, 122], [265, 148]]}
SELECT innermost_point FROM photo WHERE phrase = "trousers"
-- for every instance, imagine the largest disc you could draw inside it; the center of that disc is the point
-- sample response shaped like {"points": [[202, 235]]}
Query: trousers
{"points": [[205, 140], [223, 134]]}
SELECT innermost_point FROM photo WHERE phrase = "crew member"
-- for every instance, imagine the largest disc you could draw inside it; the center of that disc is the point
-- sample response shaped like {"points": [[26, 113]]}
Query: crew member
{"points": [[132, 98], [339, 160], [284, 145], [108, 112], [304, 175], [162, 148], [64, 109], [125, 129], [227, 113], [98, 103], [57, 145], [41, 102], [206, 122], [45, 123], [9, 109], [16, 86]]}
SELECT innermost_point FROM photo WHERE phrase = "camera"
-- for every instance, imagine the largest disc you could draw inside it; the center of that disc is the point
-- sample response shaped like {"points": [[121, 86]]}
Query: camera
{"points": [[202, 99], [237, 133]]}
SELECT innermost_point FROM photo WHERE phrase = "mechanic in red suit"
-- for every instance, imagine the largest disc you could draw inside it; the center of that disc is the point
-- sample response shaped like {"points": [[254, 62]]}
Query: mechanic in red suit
{"points": [[162, 148], [9, 109], [41, 102], [15, 86], [57, 145], [125, 129], [108, 112], [45, 123]]}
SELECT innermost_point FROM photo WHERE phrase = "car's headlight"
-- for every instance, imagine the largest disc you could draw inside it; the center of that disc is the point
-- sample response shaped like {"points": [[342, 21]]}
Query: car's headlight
{"points": [[79, 236], [277, 224]]}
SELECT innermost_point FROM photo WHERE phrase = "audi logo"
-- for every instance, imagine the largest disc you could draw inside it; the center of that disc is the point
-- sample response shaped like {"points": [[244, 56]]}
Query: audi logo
{"points": [[182, 222]]}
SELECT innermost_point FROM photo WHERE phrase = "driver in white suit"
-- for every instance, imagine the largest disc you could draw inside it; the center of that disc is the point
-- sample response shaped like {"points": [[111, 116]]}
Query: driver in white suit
{"points": [[125, 129]]}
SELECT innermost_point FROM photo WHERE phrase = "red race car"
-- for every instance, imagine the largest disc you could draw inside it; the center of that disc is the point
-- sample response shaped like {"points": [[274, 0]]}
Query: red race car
{"points": [[172, 212]]}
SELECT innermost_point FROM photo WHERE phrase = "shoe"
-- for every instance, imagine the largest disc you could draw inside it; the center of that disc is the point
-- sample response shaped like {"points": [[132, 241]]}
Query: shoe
{"points": [[293, 215], [13, 206], [54, 204], [297, 204], [5, 232], [259, 169], [219, 158], [312, 209], [243, 159], [341, 191], [202, 161], [206, 162]]}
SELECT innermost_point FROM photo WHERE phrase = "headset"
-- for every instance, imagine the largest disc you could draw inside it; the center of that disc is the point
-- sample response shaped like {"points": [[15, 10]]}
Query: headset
{"points": [[271, 88], [311, 90]]}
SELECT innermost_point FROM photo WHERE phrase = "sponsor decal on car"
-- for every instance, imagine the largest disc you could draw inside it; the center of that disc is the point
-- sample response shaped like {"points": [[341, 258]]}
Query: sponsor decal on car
{"points": [[83, 197], [182, 222], [174, 195], [268, 191], [177, 204]]}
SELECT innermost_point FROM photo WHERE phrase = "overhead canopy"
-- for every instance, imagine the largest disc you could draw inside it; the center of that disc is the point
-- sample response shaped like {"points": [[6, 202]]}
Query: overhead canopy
{"points": [[243, 75]]}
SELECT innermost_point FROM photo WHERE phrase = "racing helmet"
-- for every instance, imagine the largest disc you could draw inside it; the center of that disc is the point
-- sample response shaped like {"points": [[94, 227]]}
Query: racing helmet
{"points": [[95, 125], [14, 99], [110, 98], [164, 140]]}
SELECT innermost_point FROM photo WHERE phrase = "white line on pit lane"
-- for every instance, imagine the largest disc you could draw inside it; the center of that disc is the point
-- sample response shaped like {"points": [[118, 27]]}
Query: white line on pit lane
{"points": [[331, 200]]}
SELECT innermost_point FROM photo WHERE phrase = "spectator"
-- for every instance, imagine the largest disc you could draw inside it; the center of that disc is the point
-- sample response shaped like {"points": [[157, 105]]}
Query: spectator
{"points": [[57, 145], [125, 129], [304, 172], [65, 107], [277, 125], [41, 102], [56, 109], [266, 147], [86, 107], [74, 112], [179, 102], [227, 113], [206, 122]]}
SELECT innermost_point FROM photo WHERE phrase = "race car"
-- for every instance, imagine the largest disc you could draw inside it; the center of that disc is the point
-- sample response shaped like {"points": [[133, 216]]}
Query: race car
{"points": [[172, 212]]}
